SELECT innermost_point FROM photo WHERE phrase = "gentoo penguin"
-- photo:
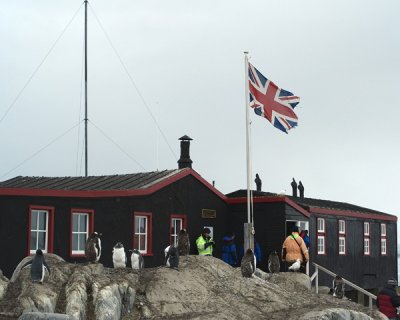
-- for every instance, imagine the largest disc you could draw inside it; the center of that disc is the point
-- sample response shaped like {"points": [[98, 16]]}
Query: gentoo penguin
{"points": [[93, 247], [183, 243], [248, 264], [172, 258], [295, 266], [137, 260], [119, 256], [165, 255], [38, 267], [273, 262], [338, 287]]}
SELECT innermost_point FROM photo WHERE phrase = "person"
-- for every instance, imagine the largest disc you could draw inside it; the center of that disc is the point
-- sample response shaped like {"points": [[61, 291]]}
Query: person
{"points": [[306, 238], [387, 300], [205, 243], [294, 249], [229, 254]]}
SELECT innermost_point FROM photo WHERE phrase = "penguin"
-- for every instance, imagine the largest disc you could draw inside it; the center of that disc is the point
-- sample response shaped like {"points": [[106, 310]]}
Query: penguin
{"points": [[172, 258], [93, 247], [338, 287], [119, 256], [183, 243], [295, 266], [38, 267], [165, 255], [274, 265], [137, 260], [248, 264]]}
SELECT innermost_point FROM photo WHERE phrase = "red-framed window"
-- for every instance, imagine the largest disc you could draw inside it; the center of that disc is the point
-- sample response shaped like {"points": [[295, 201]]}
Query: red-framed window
{"points": [[40, 229], [321, 236], [342, 237], [177, 222], [142, 233], [81, 226], [383, 239], [367, 240]]}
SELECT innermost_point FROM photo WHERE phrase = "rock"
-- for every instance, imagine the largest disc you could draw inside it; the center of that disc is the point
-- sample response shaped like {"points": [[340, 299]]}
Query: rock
{"points": [[324, 290], [40, 316], [335, 314], [291, 281], [3, 285]]}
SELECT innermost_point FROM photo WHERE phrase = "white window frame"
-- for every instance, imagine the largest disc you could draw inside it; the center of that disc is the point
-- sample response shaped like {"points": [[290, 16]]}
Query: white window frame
{"points": [[342, 226], [145, 233], [321, 244], [383, 230], [174, 234], [85, 233], [37, 231], [321, 225], [383, 246], [342, 245], [366, 229], [367, 246]]}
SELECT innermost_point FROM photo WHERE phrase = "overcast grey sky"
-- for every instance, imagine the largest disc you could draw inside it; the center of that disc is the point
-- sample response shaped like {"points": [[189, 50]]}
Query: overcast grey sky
{"points": [[186, 58]]}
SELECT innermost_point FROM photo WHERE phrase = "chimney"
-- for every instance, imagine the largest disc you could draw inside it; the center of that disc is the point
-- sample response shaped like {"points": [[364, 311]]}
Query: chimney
{"points": [[301, 190], [185, 161]]}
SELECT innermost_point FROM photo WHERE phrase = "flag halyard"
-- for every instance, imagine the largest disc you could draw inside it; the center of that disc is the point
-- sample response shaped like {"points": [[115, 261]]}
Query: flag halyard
{"points": [[269, 101]]}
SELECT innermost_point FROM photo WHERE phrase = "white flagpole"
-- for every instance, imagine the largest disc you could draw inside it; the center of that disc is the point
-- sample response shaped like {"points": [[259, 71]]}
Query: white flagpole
{"points": [[248, 227], [246, 63]]}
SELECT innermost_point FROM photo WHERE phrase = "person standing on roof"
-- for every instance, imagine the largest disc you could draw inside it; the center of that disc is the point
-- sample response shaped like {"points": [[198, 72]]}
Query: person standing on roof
{"points": [[387, 300], [205, 243]]}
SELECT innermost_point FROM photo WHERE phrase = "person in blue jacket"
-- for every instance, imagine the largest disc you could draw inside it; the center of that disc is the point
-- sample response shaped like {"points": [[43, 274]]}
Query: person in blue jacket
{"points": [[229, 254]]}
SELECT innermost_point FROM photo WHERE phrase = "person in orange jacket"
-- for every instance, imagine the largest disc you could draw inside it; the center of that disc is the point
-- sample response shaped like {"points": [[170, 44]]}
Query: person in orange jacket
{"points": [[294, 250]]}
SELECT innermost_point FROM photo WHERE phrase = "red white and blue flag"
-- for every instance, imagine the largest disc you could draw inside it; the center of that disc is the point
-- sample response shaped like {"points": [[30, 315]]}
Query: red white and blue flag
{"points": [[271, 102]]}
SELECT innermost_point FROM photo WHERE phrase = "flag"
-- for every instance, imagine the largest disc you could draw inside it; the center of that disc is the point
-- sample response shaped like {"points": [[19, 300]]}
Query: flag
{"points": [[271, 102]]}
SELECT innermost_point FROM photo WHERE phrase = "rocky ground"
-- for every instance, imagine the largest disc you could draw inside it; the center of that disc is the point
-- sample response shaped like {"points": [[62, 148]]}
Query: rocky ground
{"points": [[202, 288]]}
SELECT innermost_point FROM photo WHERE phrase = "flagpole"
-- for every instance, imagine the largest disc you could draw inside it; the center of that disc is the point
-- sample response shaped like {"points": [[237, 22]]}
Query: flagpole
{"points": [[86, 100], [248, 228]]}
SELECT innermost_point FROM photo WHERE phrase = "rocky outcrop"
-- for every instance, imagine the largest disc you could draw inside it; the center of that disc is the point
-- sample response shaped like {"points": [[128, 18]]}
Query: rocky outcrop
{"points": [[3, 285], [202, 288]]}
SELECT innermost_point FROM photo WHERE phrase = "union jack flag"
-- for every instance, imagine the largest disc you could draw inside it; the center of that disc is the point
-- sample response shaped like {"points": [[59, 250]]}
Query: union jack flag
{"points": [[271, 102]]}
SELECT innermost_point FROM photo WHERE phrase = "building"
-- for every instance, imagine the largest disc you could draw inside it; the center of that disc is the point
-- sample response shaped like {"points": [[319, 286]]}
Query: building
{"points": [[147, 210]]}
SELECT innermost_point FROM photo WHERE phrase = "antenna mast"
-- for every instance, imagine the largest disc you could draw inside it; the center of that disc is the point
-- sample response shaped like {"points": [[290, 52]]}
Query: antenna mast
{"points": [[86, 113]]}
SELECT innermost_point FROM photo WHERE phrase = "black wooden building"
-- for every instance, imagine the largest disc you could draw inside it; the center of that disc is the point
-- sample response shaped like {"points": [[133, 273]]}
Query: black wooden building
{"points": [[147, 210]]}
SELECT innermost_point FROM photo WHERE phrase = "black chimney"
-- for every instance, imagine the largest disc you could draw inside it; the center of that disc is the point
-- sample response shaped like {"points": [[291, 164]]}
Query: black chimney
{"points": [[185, 161], [301, 190]]}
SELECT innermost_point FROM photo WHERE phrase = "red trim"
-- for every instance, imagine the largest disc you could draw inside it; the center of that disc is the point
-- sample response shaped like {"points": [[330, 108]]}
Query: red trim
{"points": [[50, 227], [271, 199], [111, 193], [352, 214], [176, 216], [90, 212], [149, 216], [384, 237], [342, 235], [321, 234]]}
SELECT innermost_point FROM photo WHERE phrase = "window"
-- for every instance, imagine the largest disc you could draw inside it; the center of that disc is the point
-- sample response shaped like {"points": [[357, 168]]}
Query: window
{"points": [[321, 245], [383, 239], [177, 223], [366, 246], [142, 237], [40, 229], [320, 236], [342, 227], [321, 225], [367, 242], [81, 227], [366, 228], [342, 237]]}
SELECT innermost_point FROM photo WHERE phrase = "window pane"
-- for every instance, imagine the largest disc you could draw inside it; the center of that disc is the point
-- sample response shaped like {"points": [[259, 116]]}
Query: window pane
{"points": [[83, 222], [75, 219], [142, 241], [142, 225], [33, 241], [42, 240], [75, 242], [136, 241], [82, 241], [42, 220], [34, 215]]}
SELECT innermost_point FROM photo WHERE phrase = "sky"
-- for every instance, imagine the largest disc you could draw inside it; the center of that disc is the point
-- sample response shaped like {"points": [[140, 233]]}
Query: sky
{"points": [[158, 70]]}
